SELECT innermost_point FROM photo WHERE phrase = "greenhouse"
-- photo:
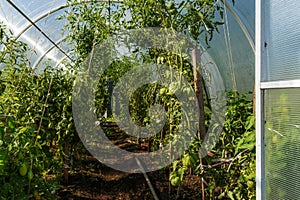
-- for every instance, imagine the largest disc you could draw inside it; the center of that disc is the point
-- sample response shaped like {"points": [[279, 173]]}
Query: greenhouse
{"points": [[152, 99]]}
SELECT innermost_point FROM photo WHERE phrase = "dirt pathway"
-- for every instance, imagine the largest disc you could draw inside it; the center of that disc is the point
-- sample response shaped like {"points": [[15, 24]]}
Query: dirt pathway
{"points": [[93, 180]]}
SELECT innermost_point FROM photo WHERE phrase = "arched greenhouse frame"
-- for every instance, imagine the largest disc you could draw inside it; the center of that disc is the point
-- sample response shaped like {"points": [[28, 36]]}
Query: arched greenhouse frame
{"points": [[222, 89]]}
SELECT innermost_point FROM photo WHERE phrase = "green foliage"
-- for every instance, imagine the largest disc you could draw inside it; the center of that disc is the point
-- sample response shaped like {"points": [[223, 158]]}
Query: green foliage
{"points": [[93, 22], [12, 51], [192, 17], [229, 170], [37, 110], [23, 159], [233, 173], [88, 25], [37, 133], [38, 129], [110, 76], [21, 165]]}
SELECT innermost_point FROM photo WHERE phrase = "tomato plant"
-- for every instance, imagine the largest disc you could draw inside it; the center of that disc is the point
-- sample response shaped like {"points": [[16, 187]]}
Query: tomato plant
{"points": [[231, 165], [36, 121]]}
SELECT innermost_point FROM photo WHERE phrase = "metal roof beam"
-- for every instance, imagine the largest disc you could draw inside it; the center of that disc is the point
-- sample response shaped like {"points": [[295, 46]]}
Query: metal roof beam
{"points": [[38, 28]]}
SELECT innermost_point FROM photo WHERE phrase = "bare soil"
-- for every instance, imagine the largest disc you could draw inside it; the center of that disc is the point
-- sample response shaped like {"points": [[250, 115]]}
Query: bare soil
{"points": [[93, 180]]}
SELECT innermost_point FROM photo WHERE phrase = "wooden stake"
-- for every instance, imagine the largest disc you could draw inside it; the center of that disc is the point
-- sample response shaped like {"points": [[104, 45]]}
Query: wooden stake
{"points": [[198, 85]]}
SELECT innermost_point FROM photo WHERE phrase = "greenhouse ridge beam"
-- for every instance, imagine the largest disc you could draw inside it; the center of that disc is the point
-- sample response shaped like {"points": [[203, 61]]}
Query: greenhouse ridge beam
{"points": [[38, 28]]}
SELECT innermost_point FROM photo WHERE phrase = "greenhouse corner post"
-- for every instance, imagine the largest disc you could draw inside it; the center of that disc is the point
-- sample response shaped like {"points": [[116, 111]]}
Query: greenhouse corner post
{"points": [[259, 40]]}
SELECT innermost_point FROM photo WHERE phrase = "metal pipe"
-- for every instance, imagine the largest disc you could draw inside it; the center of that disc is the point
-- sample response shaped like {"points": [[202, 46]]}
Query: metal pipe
{"points": [[240, 23], [38, 28]]}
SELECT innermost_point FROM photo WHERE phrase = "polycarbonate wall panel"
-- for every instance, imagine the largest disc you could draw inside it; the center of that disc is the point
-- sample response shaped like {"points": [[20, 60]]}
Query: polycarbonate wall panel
{"points": [[282, 40], [282, 143], [278, 120]]}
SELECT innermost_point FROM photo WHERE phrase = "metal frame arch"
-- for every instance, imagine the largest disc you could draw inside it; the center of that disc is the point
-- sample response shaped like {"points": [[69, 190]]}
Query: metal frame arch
{"points": [[38, 61], [58, 9], [241, 24], [236, 17], [231, 10], [33, 23], [60, 61]]}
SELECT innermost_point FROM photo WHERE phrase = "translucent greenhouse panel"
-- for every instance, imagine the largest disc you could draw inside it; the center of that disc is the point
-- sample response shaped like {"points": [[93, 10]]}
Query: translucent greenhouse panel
{"points": [[53, 27], [244, 9], [243, 59], [232, 49], [39, 44], [11, 18], [282, 40], [282, 139], [44, 14], [31, 8], [34, 9], [47, 59]]}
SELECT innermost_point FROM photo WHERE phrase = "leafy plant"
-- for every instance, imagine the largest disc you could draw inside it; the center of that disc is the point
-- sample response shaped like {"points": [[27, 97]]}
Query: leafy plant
{"points": [[231, 167], [228, 170], [22, 168], [231, 170]]}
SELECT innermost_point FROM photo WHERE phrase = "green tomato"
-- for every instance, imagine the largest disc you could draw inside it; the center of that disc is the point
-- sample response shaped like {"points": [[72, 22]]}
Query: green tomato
{"points": [[20, 156], [69, 126], [30, 174], [162, 91], [186, 161], [175, 181], [174, 86], [250, 184], [23, 169]]}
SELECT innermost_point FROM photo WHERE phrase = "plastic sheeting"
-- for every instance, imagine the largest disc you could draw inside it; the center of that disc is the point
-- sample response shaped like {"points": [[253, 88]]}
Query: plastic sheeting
{"points": [[231, 52], [48, 42]]}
